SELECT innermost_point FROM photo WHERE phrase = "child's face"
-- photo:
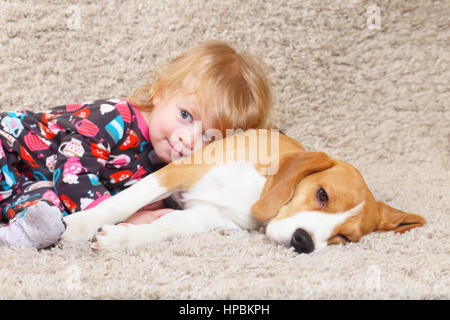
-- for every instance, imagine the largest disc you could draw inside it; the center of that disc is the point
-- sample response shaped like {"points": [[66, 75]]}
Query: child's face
{"points": [[175, 126]]}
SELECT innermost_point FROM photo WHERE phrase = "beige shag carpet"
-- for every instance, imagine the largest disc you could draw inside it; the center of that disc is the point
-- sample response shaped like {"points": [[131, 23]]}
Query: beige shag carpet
{"points": [[374, 92]]}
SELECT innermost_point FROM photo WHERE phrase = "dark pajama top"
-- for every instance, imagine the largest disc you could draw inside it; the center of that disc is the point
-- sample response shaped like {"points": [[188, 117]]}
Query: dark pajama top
{"points": [[89, 150]]}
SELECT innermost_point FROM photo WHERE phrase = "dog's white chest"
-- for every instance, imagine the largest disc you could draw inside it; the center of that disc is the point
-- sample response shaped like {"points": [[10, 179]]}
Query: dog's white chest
{"points": [[232, 188]]}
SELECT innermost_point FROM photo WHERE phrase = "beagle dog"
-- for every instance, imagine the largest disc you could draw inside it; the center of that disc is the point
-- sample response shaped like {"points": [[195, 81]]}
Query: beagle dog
{"points": [[306, 200]]}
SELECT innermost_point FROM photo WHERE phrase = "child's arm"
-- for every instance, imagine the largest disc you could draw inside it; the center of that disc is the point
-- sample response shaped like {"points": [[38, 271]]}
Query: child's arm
{"points": [[76, 176]]}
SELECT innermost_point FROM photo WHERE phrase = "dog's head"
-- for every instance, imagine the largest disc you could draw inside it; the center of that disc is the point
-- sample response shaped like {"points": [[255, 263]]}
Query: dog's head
{"points": [[313, 201]]}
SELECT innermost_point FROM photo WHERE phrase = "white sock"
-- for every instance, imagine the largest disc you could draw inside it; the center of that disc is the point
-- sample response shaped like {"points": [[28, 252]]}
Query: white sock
{"points": [[40, 227]]}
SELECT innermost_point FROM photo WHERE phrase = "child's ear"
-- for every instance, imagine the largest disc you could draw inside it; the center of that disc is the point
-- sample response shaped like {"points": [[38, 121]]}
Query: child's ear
{"points": [[395, 220]]}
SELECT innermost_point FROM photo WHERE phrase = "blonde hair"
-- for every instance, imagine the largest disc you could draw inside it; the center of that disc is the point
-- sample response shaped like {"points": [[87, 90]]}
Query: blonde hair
{"points": [[233, 84]]}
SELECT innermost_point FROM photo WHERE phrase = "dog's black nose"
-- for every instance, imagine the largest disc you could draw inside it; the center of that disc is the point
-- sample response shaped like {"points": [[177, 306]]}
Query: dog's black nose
{"points": [[302, 241]]}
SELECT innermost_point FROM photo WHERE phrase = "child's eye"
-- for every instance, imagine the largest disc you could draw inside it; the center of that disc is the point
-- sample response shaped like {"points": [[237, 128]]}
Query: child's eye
{"points": [[186, 115]]}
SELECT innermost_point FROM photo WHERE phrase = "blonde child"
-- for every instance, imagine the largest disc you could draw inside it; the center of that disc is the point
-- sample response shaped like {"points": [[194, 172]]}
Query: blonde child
{"points": [[73, 157]]}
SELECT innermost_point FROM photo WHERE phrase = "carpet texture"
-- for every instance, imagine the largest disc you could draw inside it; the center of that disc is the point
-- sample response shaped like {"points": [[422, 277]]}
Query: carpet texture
{"points": [[373, 92]]}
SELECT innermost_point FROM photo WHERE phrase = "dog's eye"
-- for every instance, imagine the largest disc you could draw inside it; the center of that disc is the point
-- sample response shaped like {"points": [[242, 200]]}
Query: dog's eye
{"points": [[322, 197]]}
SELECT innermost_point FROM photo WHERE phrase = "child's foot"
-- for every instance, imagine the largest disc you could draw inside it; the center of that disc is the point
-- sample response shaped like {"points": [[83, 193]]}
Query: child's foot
{"points": [[40, 227]]}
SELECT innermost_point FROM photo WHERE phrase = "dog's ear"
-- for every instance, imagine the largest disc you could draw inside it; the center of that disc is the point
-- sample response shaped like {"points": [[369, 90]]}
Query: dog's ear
{"points": [[391, 219], [280, 187]]}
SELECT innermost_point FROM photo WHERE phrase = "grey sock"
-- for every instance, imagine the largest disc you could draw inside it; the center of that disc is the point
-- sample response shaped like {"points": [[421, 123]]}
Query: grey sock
{"points": [[41, 226]]}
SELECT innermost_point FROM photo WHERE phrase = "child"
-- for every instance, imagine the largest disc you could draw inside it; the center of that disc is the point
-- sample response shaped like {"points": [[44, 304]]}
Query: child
{"points": [[72, 157]]}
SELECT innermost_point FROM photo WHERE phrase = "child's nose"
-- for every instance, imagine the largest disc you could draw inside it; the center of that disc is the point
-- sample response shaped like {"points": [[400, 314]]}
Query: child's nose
{"points": [[187, 141], [191, 140]]}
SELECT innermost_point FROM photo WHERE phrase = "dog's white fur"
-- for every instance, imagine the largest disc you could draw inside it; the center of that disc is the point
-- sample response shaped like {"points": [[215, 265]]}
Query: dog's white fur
{"points": [[318, 224], [236, 187]]}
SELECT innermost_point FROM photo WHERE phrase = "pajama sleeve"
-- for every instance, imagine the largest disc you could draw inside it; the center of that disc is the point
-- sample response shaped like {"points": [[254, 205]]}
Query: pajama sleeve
{"points": [[76, 176]]}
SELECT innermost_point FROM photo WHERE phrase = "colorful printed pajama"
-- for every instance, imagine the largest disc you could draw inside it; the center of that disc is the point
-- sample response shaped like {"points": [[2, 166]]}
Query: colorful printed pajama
{"points": [[71, 157], [33, 208], [36, 212], [29, 194]]}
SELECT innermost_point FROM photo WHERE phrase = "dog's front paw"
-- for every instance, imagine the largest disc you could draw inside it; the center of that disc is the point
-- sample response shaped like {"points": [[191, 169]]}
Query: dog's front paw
{"points": [[79, 227], [114, 236]]}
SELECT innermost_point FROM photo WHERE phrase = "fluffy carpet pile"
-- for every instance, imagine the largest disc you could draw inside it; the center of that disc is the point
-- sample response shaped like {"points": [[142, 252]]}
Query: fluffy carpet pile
{"points": [[367, 83]]}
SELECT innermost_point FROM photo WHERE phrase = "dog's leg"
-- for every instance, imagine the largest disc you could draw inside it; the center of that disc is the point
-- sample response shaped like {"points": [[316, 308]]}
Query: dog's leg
{"points": [[193, 220], [176, 176], [82, 225]]}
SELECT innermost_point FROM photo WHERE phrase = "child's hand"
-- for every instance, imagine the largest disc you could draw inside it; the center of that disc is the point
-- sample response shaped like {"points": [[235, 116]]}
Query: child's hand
{"points": [[149, 213]]}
